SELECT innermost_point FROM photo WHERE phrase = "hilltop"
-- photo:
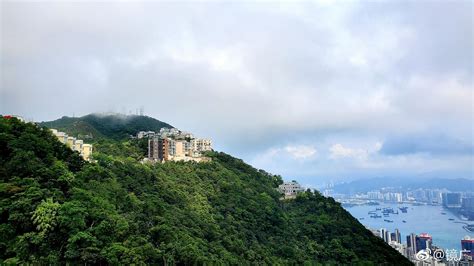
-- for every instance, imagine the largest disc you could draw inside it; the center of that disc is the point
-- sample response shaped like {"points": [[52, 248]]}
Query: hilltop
{"points": [[108, 125], [56, 208]]}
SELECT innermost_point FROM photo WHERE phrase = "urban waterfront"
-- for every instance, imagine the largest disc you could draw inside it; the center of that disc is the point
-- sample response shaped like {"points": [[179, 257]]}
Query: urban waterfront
{"points": [[418, 219]]}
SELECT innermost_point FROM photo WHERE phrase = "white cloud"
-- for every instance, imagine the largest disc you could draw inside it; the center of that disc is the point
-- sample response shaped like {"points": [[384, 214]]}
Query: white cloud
{"points": [[339, 151], [301, 151], [289, 152]]}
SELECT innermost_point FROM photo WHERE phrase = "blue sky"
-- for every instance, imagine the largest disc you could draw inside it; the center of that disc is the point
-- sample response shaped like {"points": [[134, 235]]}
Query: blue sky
{"points": [[316, 91]]}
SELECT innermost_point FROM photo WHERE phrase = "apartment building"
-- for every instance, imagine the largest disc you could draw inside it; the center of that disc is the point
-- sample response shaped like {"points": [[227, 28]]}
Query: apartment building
{"points": [[145, 134], [62, 137], [158, 149], [201, 145], [85, 150], [78, 144], [172, 144], [71, 142]]}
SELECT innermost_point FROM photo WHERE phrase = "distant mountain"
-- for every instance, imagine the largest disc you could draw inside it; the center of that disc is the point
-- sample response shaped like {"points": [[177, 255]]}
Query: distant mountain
{"points": [[109, 125], [364, 185]]}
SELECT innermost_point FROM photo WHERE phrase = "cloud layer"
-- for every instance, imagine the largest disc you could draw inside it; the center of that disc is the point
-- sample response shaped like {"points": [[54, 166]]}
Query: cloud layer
{"points": [[304, 89]]}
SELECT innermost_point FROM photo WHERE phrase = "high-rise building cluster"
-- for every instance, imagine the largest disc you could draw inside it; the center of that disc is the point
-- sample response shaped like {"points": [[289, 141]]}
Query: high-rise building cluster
{"points": [[443, 197], [84, 149], [463, 203], [385, 196], [171, 144], [424, 243]]}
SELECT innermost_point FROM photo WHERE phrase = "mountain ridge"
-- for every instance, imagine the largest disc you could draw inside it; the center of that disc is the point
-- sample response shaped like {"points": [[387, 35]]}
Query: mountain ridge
{"points": [[105, 125]]}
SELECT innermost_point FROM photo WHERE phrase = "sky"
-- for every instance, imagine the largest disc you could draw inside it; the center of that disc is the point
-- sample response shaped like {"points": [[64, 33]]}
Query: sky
{"points": [[317, 91]]}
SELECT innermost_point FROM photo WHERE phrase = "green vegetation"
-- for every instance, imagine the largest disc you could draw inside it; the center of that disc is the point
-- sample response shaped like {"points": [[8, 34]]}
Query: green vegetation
{"points": [[56, 208], [111, 126]]}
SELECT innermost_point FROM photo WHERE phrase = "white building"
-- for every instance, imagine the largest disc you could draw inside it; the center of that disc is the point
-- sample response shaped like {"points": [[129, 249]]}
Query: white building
{"points": [[201, 145], [290, 189], [145, 134], [85, 150]]}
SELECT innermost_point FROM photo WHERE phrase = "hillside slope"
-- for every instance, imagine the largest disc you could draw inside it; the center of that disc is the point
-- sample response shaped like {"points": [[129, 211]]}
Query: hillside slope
{"points": [[55, 208], [97, 126]]}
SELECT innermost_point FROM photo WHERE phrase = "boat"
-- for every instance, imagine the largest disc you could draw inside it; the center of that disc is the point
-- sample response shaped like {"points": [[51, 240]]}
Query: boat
{"points": [[443, 213], [361, 218], [388, 221], [404, 209], [404, 221], [469, 227], [451, 219]]}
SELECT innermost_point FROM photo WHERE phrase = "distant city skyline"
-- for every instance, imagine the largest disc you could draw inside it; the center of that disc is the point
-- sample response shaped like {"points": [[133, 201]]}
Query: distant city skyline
{"points": [[314, 91]]}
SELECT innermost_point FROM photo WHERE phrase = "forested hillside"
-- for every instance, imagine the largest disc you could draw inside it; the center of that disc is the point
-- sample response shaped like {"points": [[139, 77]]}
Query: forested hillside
{"points": [[99, 126], [56, 208]]}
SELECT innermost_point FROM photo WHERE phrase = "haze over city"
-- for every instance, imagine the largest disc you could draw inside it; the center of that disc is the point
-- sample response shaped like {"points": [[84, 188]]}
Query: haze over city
{"points": [[317, 91]]}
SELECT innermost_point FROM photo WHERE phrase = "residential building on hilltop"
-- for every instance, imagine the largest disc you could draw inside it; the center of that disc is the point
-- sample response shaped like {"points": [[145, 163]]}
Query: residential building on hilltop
{"points": [[85, 150], [201, 145], [158, 149], [290, 189], [171, 144], [145, 134], [62, 137]]}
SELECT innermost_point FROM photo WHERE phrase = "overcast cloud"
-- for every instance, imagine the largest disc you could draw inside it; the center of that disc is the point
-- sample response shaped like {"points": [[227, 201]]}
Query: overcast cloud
{"points": [[313, 90]]}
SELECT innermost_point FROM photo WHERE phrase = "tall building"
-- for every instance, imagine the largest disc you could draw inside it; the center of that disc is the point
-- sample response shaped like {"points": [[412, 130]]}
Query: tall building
{"points": [[423, 241], [383, 233], [158, 149], [452, 200], [411, 245], [467, 245], [396, 236], [468, 204], [386, 235]]}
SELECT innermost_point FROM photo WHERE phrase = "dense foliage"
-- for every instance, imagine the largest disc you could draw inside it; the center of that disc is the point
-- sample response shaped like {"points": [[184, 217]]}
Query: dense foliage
{"points": [[55, 208], [98, 126]]}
